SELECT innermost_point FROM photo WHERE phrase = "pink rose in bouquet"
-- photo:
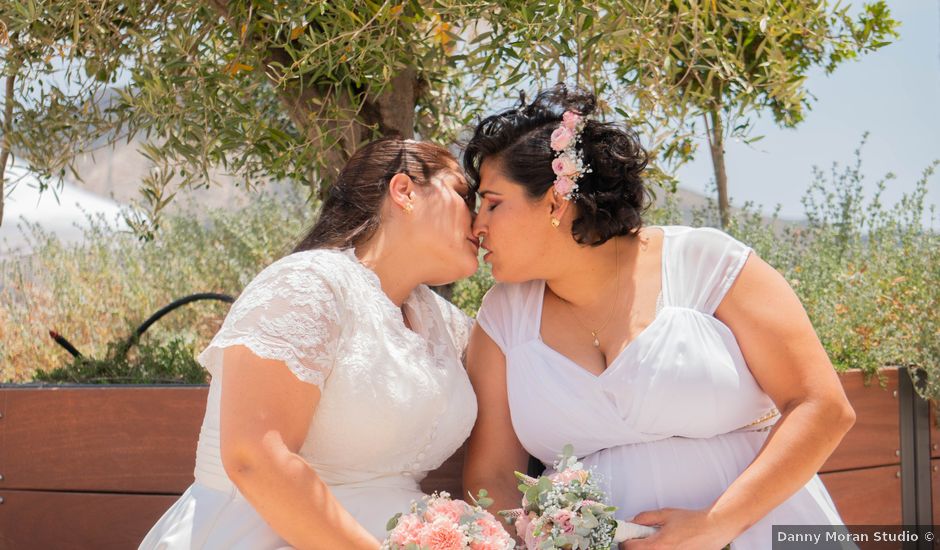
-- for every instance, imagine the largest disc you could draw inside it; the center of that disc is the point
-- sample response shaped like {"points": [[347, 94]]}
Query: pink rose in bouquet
{"points": [[437, 522], [443, 534]]}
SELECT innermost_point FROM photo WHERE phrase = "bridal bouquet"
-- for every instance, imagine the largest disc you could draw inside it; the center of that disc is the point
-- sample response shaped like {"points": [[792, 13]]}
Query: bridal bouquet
{"points": [[567, 510], [438, 523]]}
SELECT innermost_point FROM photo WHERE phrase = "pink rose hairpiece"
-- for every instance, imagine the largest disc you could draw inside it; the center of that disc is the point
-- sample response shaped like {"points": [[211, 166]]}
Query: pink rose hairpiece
{"points": [[568, 164]]}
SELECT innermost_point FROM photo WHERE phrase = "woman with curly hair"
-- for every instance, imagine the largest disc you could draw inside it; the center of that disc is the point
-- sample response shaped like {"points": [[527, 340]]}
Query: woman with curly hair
{"points": [[681, 366]]}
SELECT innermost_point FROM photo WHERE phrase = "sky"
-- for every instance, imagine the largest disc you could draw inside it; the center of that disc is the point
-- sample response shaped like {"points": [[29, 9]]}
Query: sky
{"points": [[893, 93]]}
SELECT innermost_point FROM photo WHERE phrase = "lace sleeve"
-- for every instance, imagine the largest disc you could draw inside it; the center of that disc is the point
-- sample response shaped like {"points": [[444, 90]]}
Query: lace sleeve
{"points": [[290, 312], [458, 324]]}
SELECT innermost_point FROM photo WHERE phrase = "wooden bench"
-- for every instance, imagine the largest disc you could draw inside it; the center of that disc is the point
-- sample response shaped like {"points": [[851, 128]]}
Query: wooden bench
{"points": [[95, 467]]}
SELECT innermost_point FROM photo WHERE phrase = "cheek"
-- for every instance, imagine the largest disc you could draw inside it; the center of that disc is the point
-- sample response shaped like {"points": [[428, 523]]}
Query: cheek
{"points": [[464, 218], [518, 237], [514, 223]]}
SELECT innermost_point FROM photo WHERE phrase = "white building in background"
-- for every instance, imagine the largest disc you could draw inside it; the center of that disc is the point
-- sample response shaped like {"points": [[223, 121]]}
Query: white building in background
{"points": [[63, 213]]}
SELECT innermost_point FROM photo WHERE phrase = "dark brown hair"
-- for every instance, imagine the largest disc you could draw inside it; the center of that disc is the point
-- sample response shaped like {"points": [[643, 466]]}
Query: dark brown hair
{"points": [[351, 212], [612, 196]]}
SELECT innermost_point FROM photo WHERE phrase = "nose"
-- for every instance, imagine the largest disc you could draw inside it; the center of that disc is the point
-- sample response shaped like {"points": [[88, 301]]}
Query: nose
{"points": [[479, 225]]}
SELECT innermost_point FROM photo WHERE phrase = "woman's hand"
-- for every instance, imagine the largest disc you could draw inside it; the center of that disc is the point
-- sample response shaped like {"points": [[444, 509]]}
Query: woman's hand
{"points": [[681, 529]]}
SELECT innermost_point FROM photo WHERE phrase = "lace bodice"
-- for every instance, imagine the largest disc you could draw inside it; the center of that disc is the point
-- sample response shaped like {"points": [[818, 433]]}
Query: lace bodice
{"points": [[395, 402]]}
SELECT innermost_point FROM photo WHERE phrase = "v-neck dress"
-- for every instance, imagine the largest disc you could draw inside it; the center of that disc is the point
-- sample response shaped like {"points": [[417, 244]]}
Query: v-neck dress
{"points": [[676, 416], [395, 402]]}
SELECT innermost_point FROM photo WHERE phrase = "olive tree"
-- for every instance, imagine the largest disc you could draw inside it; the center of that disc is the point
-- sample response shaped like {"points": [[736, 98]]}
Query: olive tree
{"points": [[286, 89]]}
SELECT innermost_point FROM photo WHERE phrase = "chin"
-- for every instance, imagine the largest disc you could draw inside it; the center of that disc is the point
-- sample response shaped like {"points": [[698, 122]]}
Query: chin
{"points": [[504, 274], [469, 267], [461, 268], [499, 274]]}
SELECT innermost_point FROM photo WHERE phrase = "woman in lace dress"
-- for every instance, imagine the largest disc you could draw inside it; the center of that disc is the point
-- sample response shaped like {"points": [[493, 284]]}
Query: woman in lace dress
{"points": [[337, 380], [681, 367]]}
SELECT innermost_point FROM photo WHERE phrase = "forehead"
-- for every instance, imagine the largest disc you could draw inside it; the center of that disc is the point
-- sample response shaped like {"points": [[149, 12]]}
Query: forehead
{"points": [[492, 177], [452, 176]]}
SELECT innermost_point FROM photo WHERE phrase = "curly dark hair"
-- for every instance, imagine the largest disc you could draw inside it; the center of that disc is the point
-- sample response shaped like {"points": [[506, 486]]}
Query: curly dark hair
{"points": [[612, 196]]}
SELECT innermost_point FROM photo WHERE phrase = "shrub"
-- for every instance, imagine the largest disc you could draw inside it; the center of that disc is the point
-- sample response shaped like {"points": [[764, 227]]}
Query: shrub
{"points": [[169, 362], [866, 273], [92, 292]]}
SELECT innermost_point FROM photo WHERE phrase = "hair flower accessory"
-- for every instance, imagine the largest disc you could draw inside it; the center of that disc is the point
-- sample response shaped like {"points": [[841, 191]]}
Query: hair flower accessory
{"points": [[568, 164]]}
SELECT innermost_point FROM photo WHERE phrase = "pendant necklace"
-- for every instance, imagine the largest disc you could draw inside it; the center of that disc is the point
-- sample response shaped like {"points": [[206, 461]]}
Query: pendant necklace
{"points": [[595, 332]]}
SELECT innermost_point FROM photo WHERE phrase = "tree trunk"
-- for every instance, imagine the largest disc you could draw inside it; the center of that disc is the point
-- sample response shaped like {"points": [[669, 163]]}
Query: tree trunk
{"points": [[7, 128], [392, 111], [716, 143]]}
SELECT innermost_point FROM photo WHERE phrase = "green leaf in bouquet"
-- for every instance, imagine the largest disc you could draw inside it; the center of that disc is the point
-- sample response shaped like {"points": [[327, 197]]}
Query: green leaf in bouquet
{"points": [[532, 495], [583, 531], [579, 541], [566, 458], [392, 523], [570, 499], [544, 484], [525, 479], [589, 520], [482, 499]]}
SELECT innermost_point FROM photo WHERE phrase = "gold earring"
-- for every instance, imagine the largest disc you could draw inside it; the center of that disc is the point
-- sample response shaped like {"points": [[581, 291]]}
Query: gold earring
{"points": [[408, 207], [556, 222]]}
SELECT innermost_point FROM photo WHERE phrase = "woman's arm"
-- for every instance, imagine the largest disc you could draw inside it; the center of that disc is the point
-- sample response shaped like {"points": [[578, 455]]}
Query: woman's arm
{"points": [[494, 451], [265, 417], [788, 361]]}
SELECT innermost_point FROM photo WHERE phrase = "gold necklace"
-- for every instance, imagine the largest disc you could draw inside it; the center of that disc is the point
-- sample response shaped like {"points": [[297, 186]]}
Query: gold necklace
{"points": [[597, 343]]}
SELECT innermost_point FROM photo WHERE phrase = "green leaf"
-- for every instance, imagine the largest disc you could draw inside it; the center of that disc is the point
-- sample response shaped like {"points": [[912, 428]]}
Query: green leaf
{"points": [[393, 522], [512, 80]]}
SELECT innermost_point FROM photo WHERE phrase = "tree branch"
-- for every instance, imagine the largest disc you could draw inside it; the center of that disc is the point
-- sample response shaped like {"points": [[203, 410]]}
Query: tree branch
{"points": [[5, 145]]}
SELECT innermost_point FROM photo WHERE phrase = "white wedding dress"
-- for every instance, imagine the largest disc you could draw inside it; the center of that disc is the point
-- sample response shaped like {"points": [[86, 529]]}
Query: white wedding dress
{"points": [[676, 417], [395, 402]]}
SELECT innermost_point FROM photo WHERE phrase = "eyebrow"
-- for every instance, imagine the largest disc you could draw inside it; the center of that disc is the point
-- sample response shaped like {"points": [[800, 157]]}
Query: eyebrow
{"points": [[487, 192]]}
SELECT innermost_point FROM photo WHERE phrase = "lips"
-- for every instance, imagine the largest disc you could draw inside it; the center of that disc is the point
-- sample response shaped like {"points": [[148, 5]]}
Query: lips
{"points": [[475, 242]]}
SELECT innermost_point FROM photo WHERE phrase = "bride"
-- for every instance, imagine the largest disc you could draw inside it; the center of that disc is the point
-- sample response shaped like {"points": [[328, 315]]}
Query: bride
{"points": [[681, 367], [337, 381]]}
